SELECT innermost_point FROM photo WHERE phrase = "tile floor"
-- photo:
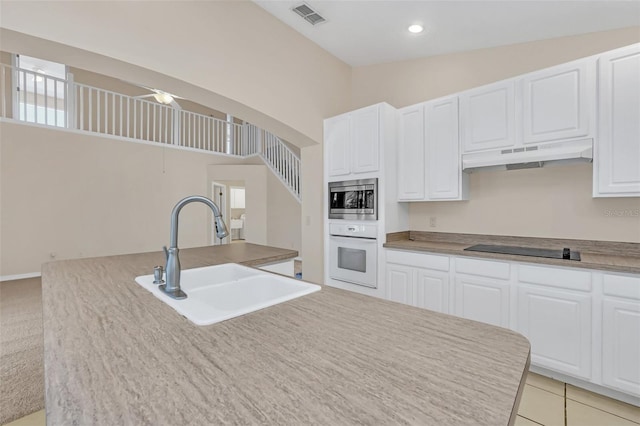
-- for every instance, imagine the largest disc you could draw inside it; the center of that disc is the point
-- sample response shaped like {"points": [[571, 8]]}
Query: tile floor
{"points": [[544, 402], [551, 403]]}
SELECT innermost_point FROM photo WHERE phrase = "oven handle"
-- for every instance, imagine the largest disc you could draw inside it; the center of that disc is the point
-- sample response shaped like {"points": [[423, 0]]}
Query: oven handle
{"points": [[352, 237]]}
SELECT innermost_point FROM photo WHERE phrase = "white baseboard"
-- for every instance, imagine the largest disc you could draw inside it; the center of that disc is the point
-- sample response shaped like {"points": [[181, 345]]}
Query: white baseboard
{"points": [[19, 276]]}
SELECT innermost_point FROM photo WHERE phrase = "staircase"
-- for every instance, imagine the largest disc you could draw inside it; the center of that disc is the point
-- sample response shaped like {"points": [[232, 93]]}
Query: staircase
{"points": [[50, 101]]}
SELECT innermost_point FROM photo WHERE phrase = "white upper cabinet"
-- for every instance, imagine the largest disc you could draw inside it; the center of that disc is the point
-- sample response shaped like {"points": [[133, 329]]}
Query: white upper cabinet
{"points": [[488, 117], [337, 147], [616, 161], [553, 104], [558, 103], [411, 156], [442, 149], [429, 167], [352, 142], [365, 137]]}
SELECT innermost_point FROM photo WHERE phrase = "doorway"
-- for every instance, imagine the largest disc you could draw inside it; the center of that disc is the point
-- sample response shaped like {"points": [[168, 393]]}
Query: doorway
{"points": [[230, 197], [219, 191], [237, 213]]}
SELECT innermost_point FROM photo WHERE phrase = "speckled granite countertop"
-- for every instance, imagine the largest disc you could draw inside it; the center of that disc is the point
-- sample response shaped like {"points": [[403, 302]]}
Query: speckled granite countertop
{"points": [[600, 255], [115, 354]]}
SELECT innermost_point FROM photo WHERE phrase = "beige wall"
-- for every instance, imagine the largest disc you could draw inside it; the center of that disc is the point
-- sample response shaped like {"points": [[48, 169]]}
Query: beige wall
{"points": [[549, 202], [66, 195], [73, 195], [283, 216], [553, 202]]}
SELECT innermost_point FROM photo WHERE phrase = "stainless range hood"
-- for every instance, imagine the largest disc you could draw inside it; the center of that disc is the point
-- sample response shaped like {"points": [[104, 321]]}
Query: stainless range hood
{"points": [[530, 157]]}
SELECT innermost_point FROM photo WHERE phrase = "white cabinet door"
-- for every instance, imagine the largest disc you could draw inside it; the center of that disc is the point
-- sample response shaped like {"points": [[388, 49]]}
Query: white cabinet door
{"points": [[558, 102], [443, 153], [336, 139], [558, 325], [365, 137], [616, 161], [621, 344], [482, 299], [400, 283], [411, 173], [432, 290], [487, 117]]}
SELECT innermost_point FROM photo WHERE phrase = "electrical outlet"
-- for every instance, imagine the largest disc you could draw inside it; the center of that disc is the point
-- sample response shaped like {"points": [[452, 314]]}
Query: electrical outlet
{"points": [[433, 222]]}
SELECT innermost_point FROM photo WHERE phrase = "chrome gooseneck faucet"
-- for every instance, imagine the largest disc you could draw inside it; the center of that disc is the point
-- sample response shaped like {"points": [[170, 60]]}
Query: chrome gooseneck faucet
{"points": [[172, 287]]}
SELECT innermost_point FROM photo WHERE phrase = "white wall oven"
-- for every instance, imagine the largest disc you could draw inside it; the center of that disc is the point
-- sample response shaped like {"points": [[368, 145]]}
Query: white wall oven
{"points": [[353, 251], [354, 199]]}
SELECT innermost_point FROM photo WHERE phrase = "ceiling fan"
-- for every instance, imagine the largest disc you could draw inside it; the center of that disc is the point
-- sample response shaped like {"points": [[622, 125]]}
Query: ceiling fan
{"points": [[161, 96]]}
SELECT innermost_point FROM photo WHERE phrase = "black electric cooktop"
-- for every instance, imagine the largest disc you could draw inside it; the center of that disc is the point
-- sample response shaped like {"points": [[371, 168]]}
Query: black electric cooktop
{"points": [[527, 251]]}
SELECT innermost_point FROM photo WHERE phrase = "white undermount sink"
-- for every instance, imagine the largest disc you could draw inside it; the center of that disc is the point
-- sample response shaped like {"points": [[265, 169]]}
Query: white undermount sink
{"points": [[220, 292]]}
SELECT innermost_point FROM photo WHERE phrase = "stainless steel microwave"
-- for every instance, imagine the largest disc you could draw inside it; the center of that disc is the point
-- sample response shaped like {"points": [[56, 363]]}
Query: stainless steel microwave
{"points": [[354, 199]]}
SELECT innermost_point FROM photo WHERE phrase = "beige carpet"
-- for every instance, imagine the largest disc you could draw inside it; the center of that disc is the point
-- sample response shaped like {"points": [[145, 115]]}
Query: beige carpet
{"points": [[21, 349]]}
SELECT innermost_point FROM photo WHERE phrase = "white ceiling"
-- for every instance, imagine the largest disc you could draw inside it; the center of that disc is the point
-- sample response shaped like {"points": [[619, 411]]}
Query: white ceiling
{"points": [[365, 32]]}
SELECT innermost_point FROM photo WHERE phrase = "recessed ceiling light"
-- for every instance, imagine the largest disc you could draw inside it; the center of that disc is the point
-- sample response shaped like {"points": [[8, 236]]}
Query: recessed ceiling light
{"points": [[416, 28]]}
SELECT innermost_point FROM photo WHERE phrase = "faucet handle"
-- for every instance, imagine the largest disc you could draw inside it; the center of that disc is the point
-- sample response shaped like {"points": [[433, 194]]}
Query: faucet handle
{"points": [[166, 252], [157, 275]]}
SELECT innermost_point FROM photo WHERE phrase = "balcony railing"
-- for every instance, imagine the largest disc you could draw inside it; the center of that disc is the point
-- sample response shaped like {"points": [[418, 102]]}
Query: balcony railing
{"points": [[51, 101]]}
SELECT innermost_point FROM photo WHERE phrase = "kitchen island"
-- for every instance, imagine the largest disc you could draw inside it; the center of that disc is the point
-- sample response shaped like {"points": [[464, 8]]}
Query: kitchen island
{"points": [[115, 354]]}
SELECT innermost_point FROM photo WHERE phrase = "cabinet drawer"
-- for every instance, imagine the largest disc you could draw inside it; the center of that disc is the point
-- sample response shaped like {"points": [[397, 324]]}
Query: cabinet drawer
{"points": [[483, 268], [555, 277], [622, 286], [419, 260]]}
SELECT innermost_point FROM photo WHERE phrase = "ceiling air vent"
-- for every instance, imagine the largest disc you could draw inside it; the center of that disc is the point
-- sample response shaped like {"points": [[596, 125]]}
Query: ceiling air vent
{"points": [[308, 14]]}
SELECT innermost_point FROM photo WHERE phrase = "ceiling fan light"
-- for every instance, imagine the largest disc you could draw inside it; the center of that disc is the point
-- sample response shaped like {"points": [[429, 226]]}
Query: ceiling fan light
{"points": [[163, 98], [36, 77]]}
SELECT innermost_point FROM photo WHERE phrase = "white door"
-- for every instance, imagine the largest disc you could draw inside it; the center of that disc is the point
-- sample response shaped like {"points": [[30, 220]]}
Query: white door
{"points": [[487, 117], [411, 155], [443, 155], [432, 290], [558, 103], [337, 147], [365, 138], [558, 325], [616, 161], [482, 299], [400, 283], [621, 344]]}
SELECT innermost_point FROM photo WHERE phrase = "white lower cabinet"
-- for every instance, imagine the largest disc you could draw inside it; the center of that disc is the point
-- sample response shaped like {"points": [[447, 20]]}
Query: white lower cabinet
{"points": [[554, 313], [420, 280], [621, 333], [582, 323], [400, 283], [482, 299], [482, 291], [432, 290], [558, 325]]}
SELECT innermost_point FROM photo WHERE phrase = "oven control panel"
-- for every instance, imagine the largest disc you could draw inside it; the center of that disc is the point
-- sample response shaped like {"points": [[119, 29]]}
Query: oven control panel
{"points": [[353, 230]]}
